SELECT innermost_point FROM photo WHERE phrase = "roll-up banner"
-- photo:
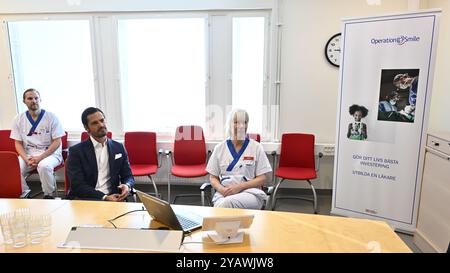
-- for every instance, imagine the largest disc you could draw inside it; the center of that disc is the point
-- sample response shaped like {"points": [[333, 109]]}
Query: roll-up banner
{"points": [[386, 76]]}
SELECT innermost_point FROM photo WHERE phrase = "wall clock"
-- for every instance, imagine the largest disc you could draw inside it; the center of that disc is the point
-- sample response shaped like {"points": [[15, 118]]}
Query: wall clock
{"points": [[333, 50]]}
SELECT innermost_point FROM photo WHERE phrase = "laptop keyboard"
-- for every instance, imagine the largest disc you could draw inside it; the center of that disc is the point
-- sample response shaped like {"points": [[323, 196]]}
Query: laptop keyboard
{"points": [[186, 223]]}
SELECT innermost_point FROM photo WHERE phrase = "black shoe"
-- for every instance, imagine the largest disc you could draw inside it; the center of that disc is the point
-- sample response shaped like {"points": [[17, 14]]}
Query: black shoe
{"points": [[48, 197], [25, 194]]}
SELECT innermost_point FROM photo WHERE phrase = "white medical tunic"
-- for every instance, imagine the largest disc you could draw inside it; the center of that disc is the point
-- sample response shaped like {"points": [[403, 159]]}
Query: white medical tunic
{"points": [[49, 128], [252, 162]]}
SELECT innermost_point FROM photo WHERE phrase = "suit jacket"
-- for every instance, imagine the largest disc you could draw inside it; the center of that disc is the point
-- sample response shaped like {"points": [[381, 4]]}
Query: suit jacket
{"points": [[82, 170]]}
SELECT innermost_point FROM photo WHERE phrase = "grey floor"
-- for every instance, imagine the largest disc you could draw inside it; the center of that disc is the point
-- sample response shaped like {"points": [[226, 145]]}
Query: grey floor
{"points": [[289, 205]]}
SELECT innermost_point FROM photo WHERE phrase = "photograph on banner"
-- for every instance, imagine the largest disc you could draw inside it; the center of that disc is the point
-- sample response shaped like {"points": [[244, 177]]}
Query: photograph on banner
{"points": [[357, 130], [398, 93]]}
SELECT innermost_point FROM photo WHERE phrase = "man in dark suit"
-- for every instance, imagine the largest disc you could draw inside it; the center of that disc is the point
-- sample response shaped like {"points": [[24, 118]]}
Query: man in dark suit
{"points": [[98, 168]]}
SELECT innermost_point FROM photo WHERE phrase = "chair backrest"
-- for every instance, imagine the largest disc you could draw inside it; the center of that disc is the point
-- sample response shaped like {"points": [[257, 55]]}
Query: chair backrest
{"points": [[6, 144], [66, 179], [85, 135], [64, 145], [189, 147], [256, 137], [10, 182], [141, 147], [297, 150]]}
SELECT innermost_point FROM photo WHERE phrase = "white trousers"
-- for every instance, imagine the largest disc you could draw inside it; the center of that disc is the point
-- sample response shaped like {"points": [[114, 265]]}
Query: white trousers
{"points": [[242, 200], [45, 171]]}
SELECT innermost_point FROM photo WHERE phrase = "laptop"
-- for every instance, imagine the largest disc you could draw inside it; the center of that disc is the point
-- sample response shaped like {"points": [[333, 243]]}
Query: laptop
{"points": [[162, 212]]}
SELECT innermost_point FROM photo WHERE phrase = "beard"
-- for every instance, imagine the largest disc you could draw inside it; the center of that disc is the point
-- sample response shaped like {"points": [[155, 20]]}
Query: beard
{"points": [[34, 107], [101, 132]]}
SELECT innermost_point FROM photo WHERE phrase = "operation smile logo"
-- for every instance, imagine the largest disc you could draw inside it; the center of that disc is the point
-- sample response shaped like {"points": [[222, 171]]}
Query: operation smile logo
{"points": [[400, 40]]}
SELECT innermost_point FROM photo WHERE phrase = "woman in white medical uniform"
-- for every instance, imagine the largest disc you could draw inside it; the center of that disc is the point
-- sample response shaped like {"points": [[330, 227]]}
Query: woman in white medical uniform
{"points": [[238, 167]]}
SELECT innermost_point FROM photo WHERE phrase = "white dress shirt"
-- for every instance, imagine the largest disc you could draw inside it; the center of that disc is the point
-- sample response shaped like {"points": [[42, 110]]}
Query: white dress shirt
{"points": [[102, 157]]}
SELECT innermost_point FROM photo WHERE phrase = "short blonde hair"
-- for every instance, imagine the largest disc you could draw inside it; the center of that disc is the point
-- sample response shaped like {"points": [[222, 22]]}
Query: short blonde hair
{"points": [[240, 113]]}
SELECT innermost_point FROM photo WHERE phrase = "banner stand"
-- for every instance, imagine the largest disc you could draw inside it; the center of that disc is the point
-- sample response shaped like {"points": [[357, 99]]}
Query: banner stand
{"points": [[386, 75]]}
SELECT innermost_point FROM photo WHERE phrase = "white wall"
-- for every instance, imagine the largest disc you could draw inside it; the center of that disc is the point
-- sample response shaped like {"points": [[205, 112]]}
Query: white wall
{"points": [[309, 85], [440, 114], [8, 105]]}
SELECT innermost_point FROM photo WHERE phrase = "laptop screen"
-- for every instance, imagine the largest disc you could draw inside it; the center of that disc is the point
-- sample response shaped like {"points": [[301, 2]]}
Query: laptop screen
{"points": [[162, 212]]}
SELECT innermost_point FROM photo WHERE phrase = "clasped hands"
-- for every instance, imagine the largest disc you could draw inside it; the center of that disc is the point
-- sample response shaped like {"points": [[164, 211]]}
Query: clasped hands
{"points": [[231, 189], [33, 161], [116, 197]]}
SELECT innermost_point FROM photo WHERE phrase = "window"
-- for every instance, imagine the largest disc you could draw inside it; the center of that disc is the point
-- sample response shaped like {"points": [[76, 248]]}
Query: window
{"points": [[248, 68], [150, 71], [162, 72], [55, 58]]}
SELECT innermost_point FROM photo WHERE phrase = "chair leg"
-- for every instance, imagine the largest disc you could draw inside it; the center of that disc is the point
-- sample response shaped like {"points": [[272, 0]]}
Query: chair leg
{"points": [[168, 188], [154, 186], [274, 198], [203, 197], [56, 190], [315, 196], [212, 196], [267, 203], [274, 195]]}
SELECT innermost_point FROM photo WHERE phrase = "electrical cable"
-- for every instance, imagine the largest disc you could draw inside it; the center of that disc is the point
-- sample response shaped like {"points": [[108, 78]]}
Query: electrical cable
{"points": [[136, 210]]}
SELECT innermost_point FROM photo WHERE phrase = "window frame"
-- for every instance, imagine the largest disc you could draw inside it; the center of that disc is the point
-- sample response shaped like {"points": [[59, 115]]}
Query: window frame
{"points": [[266, 73], [166, 15], [268, 98], [52, 17], [105, 60]]}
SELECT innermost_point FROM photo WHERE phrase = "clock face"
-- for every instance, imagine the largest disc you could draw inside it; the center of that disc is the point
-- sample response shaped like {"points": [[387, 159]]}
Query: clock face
{"points": [[333, 50]]}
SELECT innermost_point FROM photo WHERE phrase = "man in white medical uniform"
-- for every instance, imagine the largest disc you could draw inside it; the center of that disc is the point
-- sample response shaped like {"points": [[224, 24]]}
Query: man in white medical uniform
{"points": [[37, 134], [238, 167]]}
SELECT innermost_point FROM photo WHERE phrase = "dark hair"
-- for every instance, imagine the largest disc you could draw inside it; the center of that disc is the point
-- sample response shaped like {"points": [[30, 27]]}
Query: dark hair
{"points": [[355, 108], [89, 111], [30, 90]]}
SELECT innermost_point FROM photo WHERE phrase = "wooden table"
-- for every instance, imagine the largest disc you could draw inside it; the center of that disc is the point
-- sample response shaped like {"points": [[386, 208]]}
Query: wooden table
{"points": [[271, 231]]}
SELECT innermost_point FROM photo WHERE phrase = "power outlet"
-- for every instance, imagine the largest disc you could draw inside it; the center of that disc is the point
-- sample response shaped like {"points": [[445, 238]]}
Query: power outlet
{"points": [[328, 150]]}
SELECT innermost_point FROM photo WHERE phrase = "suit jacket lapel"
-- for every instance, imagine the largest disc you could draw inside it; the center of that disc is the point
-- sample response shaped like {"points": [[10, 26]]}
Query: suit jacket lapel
{"points": [[92, 160], [111, 157]]}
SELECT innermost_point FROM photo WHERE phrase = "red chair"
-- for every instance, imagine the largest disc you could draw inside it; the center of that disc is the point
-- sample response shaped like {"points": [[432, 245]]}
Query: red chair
{"points": [[7, 144], [85, 136], [10, 184], [66, 180], [142, 154], [297, 162], [256, 137], [267, 189], [189, 155], [65, 150]]}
